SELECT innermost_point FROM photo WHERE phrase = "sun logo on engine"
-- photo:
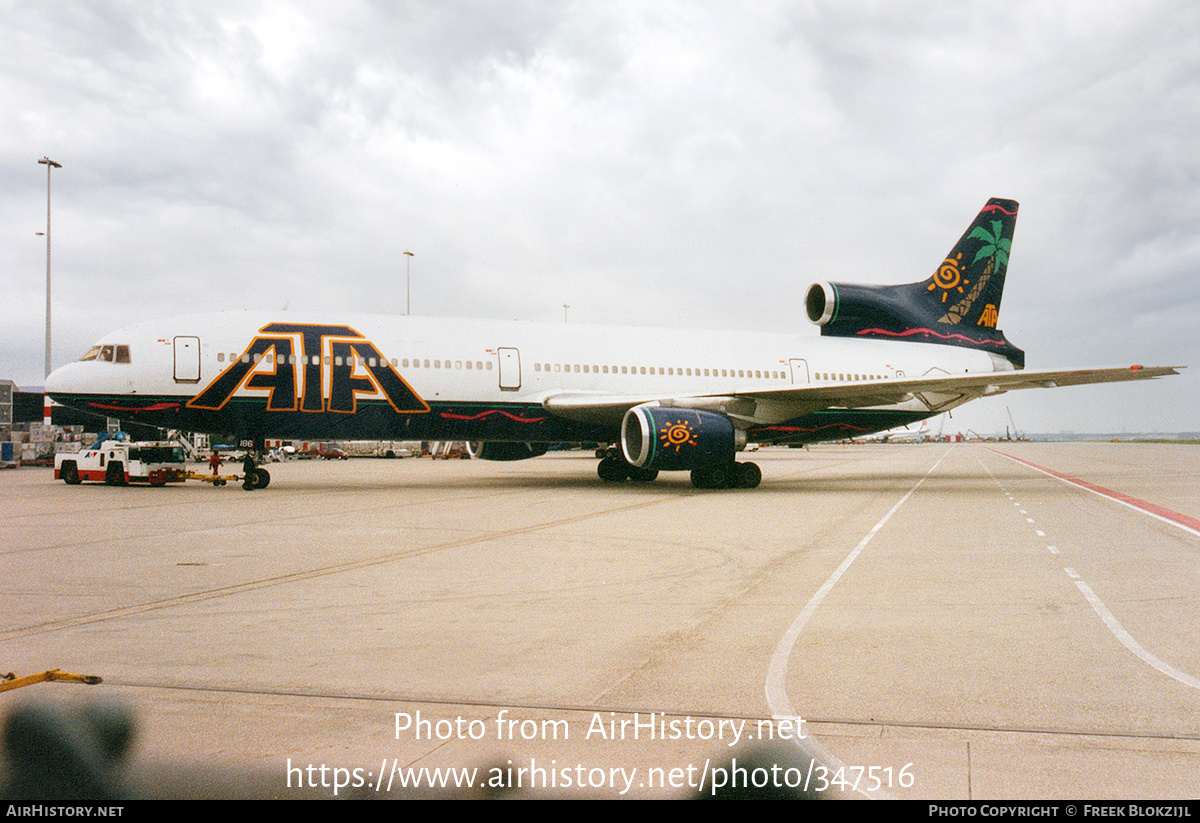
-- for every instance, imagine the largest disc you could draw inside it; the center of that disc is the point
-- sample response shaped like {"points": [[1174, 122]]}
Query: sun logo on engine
{"points": [[949, 276], [677, 434]]}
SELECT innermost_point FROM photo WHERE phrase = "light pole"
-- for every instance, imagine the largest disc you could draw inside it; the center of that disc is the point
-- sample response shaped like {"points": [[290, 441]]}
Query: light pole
{"points": [[407, 282], [49, 164]]}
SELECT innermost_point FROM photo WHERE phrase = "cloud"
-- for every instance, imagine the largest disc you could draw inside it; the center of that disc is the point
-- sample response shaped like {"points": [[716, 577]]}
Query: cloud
{"points": [[654, 164]]}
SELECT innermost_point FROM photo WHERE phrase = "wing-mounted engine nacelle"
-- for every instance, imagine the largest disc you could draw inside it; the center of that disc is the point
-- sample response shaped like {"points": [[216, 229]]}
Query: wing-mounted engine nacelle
{"points": [[667, 439], [858, 307], [499, 450]]}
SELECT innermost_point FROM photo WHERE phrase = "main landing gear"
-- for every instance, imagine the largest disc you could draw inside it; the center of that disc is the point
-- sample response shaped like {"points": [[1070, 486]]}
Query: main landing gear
{"points": [[727, 476], [614, 469], [253, 477]]}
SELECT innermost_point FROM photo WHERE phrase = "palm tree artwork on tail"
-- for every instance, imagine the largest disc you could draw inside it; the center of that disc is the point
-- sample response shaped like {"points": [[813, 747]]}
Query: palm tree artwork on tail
{"points": [[997, 248]]}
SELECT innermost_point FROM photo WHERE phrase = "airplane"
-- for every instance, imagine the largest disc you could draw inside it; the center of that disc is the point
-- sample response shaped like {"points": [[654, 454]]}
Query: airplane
{"points": [[666, 399], [900, 435]]}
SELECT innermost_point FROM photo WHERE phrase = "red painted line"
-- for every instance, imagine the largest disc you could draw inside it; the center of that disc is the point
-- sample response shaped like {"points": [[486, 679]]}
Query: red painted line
{"points": [[1006, 211], [481, 415], [1153, 509], [152, 407], [922, 330]]}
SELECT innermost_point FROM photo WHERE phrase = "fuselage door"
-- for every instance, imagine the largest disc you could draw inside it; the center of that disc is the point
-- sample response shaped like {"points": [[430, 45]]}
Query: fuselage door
{"points": [[187, 359], [799, 367], [510, 369]]}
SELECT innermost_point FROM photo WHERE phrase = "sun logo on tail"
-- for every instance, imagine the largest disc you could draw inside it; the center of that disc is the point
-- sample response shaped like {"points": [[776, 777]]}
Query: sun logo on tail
{"points": [[949, 276], [677, 434]]}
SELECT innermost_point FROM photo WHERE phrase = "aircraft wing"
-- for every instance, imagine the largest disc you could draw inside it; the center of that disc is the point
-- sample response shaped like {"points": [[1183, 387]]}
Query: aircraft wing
{"points": [[772, 404]]}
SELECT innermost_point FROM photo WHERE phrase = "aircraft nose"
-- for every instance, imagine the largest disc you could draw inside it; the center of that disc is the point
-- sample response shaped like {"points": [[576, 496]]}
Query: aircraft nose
{"points": [[68, 379], [56, 381]]}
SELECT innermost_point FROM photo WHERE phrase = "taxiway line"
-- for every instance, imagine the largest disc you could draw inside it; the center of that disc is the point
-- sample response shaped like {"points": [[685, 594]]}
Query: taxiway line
{"points": [[1102, 611], [1174, 518], [1128, 642], [777, 699]]}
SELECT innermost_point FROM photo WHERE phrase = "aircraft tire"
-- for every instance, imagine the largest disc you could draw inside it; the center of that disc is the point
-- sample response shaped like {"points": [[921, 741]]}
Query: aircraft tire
{"points": [[70, 474], [707, 477], [612, 470], [749, 475], [250, 482], [264, 478], [642, 475]]}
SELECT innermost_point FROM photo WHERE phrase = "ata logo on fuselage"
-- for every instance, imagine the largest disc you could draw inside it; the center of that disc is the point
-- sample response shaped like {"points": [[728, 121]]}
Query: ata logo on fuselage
{"points": [[311, 368]]}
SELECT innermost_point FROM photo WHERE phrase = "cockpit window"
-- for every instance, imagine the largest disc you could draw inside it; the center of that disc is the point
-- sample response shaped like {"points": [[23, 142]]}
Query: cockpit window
{"points": [[107, 354]]}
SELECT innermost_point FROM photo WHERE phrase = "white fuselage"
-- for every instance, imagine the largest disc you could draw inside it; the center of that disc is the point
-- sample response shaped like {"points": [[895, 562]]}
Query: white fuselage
{"points": [[458, 360]]}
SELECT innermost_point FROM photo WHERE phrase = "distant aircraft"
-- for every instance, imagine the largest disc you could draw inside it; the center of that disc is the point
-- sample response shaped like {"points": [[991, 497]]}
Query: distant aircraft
{"points": [[669, 399], [900, 435]]}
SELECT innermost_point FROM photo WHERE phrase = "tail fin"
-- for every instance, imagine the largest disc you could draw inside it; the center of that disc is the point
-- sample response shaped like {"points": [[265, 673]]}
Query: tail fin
{"points": [[970, 281], [959, 305]]}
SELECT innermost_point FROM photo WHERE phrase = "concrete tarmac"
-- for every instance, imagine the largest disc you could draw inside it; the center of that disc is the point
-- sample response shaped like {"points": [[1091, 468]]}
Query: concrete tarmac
{"points": [[947, 622]]}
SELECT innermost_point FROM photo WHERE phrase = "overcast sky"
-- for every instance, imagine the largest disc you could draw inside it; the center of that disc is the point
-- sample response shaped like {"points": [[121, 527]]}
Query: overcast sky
{"points": [[690, 164]]}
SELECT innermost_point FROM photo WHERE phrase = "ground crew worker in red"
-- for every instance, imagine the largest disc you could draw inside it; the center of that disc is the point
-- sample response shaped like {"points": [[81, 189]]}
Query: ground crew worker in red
{"points": [[214, 462]]}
